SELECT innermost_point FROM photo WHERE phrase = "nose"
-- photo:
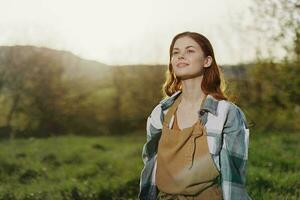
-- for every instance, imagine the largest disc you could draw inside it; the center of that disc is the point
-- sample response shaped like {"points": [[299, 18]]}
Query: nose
{"points": [[180, 55]]}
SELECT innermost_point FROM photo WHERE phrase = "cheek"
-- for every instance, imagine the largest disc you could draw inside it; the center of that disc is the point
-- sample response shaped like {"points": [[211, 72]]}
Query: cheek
{"points": [[173, 62], [196, 64], [198, 61], [174, 65]]}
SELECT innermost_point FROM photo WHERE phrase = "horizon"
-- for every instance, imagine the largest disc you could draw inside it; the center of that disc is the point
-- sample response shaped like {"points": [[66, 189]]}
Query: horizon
{"points": [[127, 32], [112, 65]]}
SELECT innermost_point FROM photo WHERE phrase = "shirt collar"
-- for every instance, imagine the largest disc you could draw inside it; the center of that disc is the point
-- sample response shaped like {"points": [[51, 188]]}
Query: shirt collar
{"points": [[210, 103]]}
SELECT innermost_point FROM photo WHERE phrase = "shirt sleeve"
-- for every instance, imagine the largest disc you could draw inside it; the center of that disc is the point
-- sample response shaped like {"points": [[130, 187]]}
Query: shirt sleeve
{"points": [[153, 130], [234, 155], [148, 189]]}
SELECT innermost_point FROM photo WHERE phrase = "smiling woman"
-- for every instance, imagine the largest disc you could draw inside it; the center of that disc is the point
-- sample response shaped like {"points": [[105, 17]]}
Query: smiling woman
{"points": [[197, 140]]}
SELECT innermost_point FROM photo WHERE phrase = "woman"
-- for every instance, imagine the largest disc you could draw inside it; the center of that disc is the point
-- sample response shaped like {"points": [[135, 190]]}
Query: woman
{"points": [[197, 140]]}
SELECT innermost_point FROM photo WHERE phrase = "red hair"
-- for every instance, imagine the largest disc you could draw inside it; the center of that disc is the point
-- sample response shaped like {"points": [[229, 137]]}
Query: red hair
{"points": [[212, 76]]}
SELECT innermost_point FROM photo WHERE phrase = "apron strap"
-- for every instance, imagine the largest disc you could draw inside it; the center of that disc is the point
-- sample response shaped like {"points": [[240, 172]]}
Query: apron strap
{"points": [[172, 110]]}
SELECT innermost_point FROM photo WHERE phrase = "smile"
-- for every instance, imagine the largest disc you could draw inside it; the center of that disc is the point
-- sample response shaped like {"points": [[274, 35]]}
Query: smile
{"points": [[182, 64]]}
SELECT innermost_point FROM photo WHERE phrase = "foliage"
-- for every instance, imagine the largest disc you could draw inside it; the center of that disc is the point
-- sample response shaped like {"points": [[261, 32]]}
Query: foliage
{"points": [[107, 167]]}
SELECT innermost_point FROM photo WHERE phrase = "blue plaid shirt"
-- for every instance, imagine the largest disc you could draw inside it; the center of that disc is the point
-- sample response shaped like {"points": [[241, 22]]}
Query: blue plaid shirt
{"points": [[231, 149]]}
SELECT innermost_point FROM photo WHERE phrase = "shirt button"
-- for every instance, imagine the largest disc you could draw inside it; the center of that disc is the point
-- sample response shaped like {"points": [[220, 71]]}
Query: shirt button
{"points": [[202, 112]]}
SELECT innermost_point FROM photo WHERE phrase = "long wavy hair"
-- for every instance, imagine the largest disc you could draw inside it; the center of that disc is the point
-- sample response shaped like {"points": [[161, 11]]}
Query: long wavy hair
{"points": [[213, 82]]}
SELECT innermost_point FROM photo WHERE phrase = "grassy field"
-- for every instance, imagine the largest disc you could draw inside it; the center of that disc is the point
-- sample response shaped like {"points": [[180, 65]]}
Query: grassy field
{"points": [[74, 167]]}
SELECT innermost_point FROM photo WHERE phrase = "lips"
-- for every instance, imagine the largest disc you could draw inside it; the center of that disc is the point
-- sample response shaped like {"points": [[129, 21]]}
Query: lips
{"points": [[181, 64]]}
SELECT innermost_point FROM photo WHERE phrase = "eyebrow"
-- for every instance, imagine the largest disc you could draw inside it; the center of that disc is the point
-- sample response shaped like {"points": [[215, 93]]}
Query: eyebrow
{"points": [[185, 47]]}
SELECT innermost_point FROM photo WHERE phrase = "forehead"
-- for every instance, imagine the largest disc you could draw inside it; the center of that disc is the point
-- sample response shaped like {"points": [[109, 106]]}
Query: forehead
{"points": [[183, 42]]}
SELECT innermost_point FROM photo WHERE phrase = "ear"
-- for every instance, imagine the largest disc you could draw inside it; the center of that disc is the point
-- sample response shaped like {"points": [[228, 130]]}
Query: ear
{"points": [[208, 61]]}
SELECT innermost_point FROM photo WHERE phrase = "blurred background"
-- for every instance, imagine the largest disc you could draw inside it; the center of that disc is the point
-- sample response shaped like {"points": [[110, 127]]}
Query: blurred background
{"points": [[78, 80]]}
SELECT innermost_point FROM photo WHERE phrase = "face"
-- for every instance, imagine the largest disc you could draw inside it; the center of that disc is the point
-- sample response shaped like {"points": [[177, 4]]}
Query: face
{"points": [[188, 59]]}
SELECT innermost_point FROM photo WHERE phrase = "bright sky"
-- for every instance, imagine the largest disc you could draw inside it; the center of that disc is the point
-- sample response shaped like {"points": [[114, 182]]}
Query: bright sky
{"points": [[126, 31]]}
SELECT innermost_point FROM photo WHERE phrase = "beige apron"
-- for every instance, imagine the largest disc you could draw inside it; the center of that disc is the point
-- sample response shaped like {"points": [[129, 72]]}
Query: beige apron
{"points": [[185, 169]]}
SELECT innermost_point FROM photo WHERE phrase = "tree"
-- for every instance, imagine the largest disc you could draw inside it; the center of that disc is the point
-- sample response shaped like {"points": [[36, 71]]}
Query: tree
{"points": [[278, 23], [270, 92]]}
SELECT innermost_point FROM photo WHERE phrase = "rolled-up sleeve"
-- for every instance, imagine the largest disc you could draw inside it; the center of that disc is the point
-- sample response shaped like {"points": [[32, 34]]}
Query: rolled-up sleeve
{"points": [[234, 155]]}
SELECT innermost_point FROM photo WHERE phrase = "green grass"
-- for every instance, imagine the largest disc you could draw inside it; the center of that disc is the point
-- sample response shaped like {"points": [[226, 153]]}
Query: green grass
{"points": [[70, 167], [274, 166], [74, 167]]}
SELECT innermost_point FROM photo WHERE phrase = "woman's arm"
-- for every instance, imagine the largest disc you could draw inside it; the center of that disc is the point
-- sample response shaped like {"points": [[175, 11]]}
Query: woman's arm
{"points": [[234, 155], [148, 189], [153, 129]]}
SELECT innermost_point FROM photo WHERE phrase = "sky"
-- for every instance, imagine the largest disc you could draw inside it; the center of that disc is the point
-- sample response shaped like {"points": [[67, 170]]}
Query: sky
{"points": [[123, 32]]}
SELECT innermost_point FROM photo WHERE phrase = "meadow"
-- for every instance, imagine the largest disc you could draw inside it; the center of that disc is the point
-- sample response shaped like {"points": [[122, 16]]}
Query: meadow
{"points": [[108, 167]]}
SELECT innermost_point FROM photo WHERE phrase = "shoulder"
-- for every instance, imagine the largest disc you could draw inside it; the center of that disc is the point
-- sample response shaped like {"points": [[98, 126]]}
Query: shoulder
{"points": [[156, 110], [163, 106], [155, 116], [235, 116]]}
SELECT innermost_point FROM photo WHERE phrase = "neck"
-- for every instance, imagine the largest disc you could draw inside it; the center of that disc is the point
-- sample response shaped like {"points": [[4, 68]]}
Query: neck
{"points": [[191, 90]]}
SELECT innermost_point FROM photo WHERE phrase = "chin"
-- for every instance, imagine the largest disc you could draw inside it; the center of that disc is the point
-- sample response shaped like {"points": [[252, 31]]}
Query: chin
{"points": [[183, 71], [184, 76]]}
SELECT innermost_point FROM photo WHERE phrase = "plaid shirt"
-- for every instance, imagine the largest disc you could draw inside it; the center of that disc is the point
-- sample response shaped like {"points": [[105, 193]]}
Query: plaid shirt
{"points": [[228, 146]]}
